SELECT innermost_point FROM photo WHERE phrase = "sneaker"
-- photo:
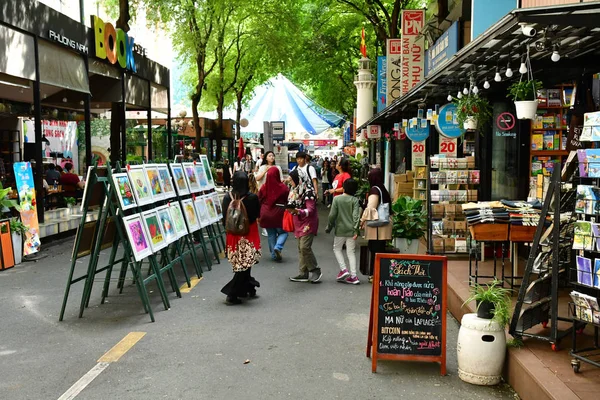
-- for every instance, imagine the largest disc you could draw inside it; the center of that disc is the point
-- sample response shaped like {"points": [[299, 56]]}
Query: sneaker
{"points": [[264, 232], [342, 275], [300, 278], [315, 275], [353, 280], [277, 255], [328, 205]]}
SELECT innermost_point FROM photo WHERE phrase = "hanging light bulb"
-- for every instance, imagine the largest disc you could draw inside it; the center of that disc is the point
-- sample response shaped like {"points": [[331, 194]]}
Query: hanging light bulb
{"points": [[555, 56], [509, 71], [486, 84], [523, 67], [459, 95], [497, 77], [465, 90], [449, 97], [475, 89]]}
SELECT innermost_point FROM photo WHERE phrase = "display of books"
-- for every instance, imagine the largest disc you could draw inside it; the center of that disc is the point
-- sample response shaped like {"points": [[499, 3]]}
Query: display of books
{"points": [[584, 271], [582, 236]]}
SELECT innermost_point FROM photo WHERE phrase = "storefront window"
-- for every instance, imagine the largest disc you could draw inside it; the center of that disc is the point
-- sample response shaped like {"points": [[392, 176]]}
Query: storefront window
{"points": [[505, 160]]}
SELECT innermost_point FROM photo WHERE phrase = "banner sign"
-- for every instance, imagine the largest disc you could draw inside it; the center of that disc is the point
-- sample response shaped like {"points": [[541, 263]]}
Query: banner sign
{"points": [[418, 132], [413, 49], [443, 48], [281, 158], [393, 70], [374, 132], [447, 124], [28, 204], [448, 146], [381, 83], [278, 130], [418, 154], [61, 140]]}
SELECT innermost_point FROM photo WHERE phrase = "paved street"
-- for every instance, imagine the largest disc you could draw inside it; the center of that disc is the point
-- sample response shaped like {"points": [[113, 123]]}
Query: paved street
{"points": [[303, 341]]}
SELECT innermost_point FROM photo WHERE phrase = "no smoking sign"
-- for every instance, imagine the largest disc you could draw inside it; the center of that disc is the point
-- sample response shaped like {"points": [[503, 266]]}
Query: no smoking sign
{"points": [[506, 121]]}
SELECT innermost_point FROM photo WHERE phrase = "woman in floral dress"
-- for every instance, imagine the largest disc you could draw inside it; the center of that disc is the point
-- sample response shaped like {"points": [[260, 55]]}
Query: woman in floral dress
{"points": [[242, 251]]}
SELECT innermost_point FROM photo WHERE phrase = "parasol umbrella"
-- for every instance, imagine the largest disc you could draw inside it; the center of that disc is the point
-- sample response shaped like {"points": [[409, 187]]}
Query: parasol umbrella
{"points": [[241, 150]]}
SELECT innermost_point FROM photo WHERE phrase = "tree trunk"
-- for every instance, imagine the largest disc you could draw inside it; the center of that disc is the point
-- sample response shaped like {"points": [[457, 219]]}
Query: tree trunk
{"points": [[238, 115], [195, 101], [219, 127], [117, 124]]}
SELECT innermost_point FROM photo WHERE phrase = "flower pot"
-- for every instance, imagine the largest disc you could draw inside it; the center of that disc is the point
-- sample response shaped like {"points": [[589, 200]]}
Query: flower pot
{"points": [[407, 246], [17, 244], [481, 349], [526, 109], [485, 309], [470, 124]]}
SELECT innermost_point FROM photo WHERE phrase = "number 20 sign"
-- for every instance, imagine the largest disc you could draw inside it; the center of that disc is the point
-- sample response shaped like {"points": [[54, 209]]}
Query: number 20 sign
{"points": [[448, 146]]}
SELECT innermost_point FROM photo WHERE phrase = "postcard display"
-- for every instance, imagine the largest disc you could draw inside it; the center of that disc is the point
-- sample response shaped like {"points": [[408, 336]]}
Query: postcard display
{"points": [[585, 271], [149, 216]]}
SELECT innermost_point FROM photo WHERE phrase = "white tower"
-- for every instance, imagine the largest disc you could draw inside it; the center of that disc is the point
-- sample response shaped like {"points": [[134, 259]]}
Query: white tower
{"points": [[364, 82]]}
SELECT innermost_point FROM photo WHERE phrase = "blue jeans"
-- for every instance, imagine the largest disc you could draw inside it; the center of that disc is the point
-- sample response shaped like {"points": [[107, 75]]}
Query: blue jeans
{"points": [[277, 238]]}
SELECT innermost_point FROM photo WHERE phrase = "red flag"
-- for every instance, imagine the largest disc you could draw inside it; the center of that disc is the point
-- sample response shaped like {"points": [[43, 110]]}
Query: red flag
{"points": [[363, 44]]}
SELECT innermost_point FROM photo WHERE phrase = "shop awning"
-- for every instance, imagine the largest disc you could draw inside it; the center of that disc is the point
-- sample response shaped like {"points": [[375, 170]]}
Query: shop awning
{"points": [[62, 68], [573, 26]]}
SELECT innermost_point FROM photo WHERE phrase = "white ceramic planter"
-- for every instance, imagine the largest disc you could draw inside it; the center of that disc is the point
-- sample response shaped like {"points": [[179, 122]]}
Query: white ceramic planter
{"points": [[481, 350], [17, 243], [526, 109], [407, 246], [470, 124]]}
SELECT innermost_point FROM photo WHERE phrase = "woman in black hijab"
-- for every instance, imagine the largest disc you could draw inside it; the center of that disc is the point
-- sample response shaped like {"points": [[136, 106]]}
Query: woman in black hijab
{"points": [[242, 251]]}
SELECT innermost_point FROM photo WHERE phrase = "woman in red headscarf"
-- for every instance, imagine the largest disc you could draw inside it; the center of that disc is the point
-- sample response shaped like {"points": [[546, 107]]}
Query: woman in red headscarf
{"points": [[273, 196]]}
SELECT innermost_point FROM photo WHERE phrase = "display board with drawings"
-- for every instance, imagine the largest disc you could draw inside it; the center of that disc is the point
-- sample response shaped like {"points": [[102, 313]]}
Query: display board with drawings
{"points": [[408, 309]]}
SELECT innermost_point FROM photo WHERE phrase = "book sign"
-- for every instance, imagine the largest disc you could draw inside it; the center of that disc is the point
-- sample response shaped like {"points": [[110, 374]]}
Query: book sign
{"points": [[374, 132], [418, 153], [448, 146]]}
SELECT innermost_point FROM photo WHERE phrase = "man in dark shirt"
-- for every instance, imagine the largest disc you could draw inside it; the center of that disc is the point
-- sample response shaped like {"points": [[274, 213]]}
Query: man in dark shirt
{"points": [[52, 175], [71, 181]]}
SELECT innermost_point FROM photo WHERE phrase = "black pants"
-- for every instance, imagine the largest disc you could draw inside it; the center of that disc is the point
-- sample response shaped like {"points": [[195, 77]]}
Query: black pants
{"points": [[226, 180], [241, 285], [375, 246]]}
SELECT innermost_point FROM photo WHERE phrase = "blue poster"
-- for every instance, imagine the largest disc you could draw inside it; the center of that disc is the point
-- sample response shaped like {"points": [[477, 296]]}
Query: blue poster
{"points": [[443, 48], [381, 83], [28, 203], [419, 132], [446, 124]]}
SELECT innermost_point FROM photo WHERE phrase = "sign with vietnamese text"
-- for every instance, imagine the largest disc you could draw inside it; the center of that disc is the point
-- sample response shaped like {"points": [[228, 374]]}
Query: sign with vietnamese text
{"points": [[418, 132], [412, 50], [418, 154], [446, 123], [443, 48], [374, 132], [393, 70], [381, 83], [448, 146]]}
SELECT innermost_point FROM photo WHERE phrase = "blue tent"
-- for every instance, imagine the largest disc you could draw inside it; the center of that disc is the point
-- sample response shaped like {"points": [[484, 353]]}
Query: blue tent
{"points": [[280, 100]]}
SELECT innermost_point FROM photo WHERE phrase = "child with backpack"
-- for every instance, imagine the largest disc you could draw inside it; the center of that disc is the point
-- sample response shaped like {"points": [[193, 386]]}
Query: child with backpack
{"points": [[242, 211], [344, 219]]}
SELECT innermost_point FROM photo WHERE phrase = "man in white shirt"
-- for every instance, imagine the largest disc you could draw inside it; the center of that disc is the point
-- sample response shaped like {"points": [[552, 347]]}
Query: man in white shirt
{"points": [[259, 161], [309, 170]]}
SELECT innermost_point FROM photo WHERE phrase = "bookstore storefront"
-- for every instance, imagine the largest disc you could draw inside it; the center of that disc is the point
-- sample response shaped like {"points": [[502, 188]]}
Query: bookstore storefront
{"points": [[55, 71]]}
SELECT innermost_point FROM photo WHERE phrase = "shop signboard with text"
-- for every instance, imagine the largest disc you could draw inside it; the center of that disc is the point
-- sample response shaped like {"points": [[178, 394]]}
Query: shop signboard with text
{"points": [[418, 154], [381, 83], [448, 146], [114, 45], [447, 123], [393, 70], [412, 50], [374, 132], [443, 48]]}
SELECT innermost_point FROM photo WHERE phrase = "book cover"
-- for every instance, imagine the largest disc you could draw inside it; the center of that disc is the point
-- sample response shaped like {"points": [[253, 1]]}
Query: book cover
{"points": [[584, 271], [537, 141], [474, 176], [597, 273], [554, 98], [548, 121], [549, 140], [567, 97], [596, 235], [536, 167], [462, 176], [583, 310], [583, 166], [584, 201], [593, 160], [582, 235], [542, 97], [537, 122]]}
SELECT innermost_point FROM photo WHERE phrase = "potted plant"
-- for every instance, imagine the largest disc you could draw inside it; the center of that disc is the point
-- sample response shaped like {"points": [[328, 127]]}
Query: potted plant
{"points": [[409, 223], [17, 231], [71, 201], [472, 111], [524, 94], [492, 302]]}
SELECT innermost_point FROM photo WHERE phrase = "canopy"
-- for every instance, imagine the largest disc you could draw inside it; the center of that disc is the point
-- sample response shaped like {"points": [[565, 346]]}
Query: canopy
{"points": [[280, 100]]}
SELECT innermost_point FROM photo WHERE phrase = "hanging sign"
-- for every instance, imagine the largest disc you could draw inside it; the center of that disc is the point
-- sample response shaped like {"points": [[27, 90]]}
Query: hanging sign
{"points": [[393, 70], [418, 132], [374, 132], [442, 49], [408, 309], [448, 146], [447, 124], [363, 134], [413, 49], [381, 83], [418, 154], [278, 130], [28, 204]]}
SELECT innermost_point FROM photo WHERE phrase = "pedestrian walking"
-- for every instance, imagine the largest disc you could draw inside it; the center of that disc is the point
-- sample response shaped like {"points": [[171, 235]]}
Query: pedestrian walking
{"points": [[226, 174], [343, 169], [344, 219], [262, 171], [326, 182], [272, 195], [248, 164], [237, 165], [376, 235], [303, 161], [243, 251], [303, 206]]}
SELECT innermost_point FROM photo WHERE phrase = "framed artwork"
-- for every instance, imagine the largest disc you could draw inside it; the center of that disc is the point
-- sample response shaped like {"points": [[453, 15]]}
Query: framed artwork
{"points": [[154, 181], [189, 212], [179, 179], [201, 177], [138, 237], [212, 211], [141, 187], [165, 180], [178, 219], [167, 224], [190, 175], [202, 211], [206, 164], [124, 191], [218, 206], [154, 229]]}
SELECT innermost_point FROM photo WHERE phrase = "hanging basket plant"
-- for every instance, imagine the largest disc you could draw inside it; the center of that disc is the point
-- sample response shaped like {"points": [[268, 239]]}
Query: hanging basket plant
{"points": [[472, 111], [524, 92]]}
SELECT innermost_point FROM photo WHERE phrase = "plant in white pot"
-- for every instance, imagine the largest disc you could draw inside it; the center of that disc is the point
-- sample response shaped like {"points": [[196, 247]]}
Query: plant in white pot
{"points": [[409, 223], [17, 231], [524, 94], [70, 201], [472, 111], [481, 347]]}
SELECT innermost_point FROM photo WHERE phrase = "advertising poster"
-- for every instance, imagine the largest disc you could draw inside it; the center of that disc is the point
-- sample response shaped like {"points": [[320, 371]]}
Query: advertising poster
{"points": [[418, 154], [448, 146], [281, 158], [60, 143], [381, 83], [393, 70], [412, 50], [26, 190]]}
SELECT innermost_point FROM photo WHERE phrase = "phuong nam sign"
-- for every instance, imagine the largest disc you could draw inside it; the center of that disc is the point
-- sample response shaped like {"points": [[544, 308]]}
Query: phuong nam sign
{"points": [[113, 44], [413, 49], [57, 37], [443, 48], [28, 204], [381, 83], [393, 70]]}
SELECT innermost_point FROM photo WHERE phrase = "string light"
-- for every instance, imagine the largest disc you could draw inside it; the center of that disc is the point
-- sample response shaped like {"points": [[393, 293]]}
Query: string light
{"points": [[509, 71], [449, 97], [475, 89], [555, 56], [459, 95], [523, 67], [465, 90], [486, 84], [497, 77]]}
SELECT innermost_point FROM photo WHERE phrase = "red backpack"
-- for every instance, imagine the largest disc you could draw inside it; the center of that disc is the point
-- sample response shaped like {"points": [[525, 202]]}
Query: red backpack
{"points": [[236, 218]]}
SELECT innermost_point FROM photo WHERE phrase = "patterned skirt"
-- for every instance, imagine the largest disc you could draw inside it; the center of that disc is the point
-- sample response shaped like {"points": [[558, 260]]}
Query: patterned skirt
{"points": [[244, 251]]}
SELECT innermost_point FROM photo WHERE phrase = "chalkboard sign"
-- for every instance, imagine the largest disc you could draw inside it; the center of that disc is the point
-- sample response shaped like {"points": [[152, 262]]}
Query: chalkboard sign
{"points": [[408, 309]]}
